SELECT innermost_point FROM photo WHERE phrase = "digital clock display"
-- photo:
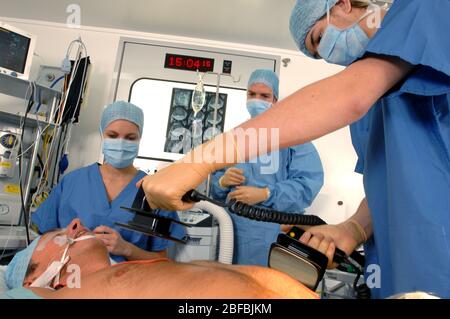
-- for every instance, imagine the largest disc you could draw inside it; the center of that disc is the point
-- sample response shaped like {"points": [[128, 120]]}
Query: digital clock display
{"points": [[188, 63]]}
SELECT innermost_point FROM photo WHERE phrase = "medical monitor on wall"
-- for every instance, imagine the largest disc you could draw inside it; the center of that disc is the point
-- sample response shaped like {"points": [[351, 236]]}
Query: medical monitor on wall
{"points": [[16, 51]]}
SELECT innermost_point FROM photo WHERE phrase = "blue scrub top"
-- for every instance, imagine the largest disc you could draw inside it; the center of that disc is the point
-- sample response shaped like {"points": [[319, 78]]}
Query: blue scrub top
{"points": [[294, 177], [82, 194], [403, 147]]}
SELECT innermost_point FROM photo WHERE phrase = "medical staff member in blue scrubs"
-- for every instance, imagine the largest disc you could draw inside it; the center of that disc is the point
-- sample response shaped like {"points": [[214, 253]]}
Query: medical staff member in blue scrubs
{"points": [[286, 181], [402, 142], [95, 193], [395, 94]]}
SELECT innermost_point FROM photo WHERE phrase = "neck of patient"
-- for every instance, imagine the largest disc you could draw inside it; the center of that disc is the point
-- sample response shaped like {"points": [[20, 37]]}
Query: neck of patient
{"points": [[97, 262]]}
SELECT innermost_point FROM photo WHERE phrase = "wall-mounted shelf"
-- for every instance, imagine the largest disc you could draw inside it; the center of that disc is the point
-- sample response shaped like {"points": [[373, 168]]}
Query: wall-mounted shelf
{"points": [[16, 87], [31, 121]]}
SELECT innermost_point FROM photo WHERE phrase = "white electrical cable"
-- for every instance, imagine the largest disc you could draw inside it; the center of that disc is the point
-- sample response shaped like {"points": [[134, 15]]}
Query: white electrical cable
{"points": [[39, 135], [31, 100], [77, 63], [52, 118], [41, 131], [83, 77], [30, 86], [62, 104], [75, 70]]}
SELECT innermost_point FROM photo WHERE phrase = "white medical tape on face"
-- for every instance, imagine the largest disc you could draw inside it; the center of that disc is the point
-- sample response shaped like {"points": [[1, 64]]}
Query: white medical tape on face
{"points": [[53, 272]]}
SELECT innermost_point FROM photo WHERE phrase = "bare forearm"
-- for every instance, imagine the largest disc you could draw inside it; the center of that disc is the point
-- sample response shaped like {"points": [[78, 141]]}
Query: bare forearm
{"points": [[310, 113], [327, 105]]}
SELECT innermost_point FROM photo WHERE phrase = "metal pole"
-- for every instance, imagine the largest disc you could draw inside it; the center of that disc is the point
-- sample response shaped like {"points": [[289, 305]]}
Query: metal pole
{"points": [[37, 145], [60, 133], [219, 75], [54, 102], [208, 182], [216, 103]]}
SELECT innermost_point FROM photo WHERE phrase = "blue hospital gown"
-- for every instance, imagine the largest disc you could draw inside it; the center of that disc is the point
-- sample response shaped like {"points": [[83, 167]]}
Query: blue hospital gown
{"points": [[294, 177]]}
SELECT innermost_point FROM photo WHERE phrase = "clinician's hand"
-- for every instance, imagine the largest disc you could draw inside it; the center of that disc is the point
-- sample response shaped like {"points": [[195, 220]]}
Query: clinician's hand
{"points": [[165, 188], [232, 177], [325, 239], [249, 195], [113, 240]]}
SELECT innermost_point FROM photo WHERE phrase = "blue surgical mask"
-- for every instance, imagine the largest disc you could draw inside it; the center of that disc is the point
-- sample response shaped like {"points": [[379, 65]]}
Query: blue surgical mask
{"points": [[120, 153], [256, 107], [343, 47]]}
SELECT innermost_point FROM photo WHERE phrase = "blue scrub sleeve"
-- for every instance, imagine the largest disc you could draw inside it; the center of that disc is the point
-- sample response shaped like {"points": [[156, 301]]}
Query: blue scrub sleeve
{"points": [[46, 216], [176, 230], [305, 179], [218, 192], [360, 136], [417, 32], [359, 167]]}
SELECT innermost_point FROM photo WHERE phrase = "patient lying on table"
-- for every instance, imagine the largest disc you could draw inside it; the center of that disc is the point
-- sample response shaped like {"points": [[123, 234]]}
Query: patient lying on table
{"points": [[73, 263]]}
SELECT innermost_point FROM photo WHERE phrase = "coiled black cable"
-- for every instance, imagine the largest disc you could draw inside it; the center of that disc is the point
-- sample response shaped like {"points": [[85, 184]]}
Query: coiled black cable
{"points": [[258, 213], [273, 216], [268, 215]]}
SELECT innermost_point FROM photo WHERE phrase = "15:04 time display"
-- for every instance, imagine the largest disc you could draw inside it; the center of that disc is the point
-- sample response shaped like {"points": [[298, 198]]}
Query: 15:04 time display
{"points": [[188, 63]]}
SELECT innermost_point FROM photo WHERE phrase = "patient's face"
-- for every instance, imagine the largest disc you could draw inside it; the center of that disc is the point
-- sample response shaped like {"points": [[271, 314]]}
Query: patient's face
{"points": [[87, 255]]}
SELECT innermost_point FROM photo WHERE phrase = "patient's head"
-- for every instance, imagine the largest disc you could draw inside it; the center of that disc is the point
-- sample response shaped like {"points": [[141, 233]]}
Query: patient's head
{"points": [[88, 256]]}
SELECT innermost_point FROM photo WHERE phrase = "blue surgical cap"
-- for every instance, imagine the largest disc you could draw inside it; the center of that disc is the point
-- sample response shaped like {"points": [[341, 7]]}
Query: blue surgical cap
{"points": [[266, 77], [17, 268], [122, 110], [304, 16]]}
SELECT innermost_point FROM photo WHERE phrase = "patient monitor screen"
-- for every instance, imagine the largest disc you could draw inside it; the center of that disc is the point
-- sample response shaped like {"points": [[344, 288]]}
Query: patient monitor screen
{"points": [[13, 50]]}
